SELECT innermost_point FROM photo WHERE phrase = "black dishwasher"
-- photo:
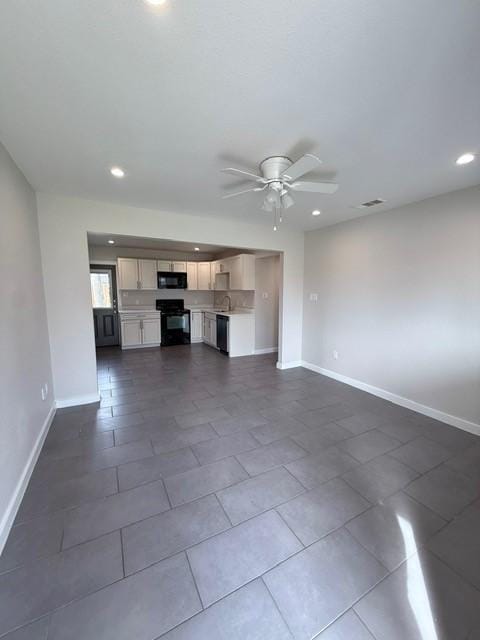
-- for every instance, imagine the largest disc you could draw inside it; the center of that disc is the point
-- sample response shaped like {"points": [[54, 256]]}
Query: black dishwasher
{"points": [[222, 333]]}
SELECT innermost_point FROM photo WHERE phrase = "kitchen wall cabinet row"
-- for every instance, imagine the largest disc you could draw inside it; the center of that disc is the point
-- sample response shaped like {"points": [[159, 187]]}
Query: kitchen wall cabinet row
{"points": [[236, 273]]}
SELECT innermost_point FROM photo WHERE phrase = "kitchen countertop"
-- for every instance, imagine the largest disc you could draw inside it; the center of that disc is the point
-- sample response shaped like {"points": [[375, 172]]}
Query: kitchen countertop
{"points": [[191, 308]]}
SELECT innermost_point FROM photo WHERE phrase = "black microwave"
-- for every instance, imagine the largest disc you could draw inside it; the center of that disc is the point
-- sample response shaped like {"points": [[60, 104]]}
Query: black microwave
{"points": [[172, 280]]}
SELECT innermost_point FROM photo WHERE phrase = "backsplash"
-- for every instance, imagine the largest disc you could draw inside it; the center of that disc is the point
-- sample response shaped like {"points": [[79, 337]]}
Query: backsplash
{"points": [[146, 299], [239, 298]]}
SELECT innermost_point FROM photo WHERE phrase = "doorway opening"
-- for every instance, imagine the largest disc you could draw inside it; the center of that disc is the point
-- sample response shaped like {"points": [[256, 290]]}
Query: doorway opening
{"points": [[103, 282]]}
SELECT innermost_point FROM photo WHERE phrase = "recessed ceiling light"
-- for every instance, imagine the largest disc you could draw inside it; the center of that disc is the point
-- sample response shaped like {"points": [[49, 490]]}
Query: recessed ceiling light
{"points": [[466, 158], [156, 3], [317, 212], [111, 242], [197, 248], [117, 172]]}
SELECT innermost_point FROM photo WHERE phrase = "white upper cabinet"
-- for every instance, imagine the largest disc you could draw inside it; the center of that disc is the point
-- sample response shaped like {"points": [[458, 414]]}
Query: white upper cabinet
{"points": [[204, 276], [137, 274], [164, 265], [128, 273], [147, 274], [192, 276], [180, 267]]}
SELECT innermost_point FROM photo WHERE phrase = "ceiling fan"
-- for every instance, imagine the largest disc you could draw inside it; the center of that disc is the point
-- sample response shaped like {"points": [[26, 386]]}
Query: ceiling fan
{"points": [[279, 177]]}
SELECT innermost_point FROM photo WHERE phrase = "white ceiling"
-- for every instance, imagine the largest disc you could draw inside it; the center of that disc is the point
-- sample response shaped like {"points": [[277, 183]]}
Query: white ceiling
{"points": [[386, 92]]}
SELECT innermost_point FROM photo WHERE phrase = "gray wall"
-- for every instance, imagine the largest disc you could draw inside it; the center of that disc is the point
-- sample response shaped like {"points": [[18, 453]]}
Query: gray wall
{"points": [[266, 309], [24, 348], [399, 300]]}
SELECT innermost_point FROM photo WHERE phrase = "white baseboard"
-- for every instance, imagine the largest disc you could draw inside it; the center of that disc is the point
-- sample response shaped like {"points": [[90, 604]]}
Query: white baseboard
{"points": [[290, 365], [259, 352], [454, 421], [77, 400], [8, 517]]}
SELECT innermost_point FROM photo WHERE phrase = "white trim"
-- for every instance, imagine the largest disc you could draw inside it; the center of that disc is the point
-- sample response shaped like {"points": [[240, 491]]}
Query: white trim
{"points": [[77, 400], [454, 421], [8, 517], [259, 352], [290, 365]]}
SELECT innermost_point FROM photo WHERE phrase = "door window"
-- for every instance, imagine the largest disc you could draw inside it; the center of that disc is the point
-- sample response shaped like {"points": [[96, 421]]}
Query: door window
{"points": [[101, 284]]}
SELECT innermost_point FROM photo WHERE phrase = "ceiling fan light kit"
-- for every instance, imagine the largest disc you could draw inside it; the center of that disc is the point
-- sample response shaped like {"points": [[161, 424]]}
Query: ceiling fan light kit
{"points": [[278, 179]]}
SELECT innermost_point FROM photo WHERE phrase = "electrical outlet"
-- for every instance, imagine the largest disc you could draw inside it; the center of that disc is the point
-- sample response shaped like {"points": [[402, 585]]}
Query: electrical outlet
{"points": [[335, 355], [125, 294], [265, 295], [314, 297]]}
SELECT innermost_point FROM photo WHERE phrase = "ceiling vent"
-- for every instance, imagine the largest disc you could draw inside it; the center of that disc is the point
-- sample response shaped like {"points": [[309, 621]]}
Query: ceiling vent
{"points": [[370, 203]]}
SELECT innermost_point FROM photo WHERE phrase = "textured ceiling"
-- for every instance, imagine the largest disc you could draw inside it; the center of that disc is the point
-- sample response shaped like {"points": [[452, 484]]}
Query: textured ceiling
{"points": [[386, 92]]}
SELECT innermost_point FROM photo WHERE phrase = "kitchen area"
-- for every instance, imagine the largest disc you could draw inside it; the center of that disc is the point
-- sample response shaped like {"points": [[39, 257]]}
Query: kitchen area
{"points": [[151, 294]]}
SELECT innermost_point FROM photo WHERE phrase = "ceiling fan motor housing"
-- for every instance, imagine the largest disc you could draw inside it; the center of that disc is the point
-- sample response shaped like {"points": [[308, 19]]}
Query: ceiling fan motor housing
{"points": [[274, 166]]}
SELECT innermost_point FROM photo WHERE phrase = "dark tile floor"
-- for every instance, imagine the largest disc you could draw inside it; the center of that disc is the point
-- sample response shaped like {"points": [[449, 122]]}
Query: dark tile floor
{"points": [[225, 499]]}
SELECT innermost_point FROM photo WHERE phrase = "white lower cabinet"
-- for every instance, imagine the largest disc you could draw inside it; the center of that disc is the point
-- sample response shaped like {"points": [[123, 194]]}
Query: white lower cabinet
{"points": [[151, 332], [140, 330], [196, 328], [210, 329], [131, 333]]}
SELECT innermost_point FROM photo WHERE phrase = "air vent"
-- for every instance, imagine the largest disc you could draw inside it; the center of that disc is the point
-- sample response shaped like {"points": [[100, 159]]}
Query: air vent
{"points": [[371, 203]]}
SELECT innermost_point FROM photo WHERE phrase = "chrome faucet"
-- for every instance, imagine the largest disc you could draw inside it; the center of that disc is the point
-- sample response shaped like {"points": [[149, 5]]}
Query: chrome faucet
{"points": [[229, 303]]}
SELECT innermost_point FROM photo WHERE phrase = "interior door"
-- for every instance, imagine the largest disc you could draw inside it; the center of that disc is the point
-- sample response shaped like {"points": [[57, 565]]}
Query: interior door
{"points": [[103, 283]]}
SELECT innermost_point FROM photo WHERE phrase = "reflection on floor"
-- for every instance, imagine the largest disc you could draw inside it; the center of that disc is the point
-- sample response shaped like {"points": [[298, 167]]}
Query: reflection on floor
{"points": [[222, 498]]}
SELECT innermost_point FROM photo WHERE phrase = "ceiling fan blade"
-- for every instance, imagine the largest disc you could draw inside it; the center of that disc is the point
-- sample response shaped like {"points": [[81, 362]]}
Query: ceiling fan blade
{"points": [[315, 187], [240, 172], [239, 193], [306, 163]]}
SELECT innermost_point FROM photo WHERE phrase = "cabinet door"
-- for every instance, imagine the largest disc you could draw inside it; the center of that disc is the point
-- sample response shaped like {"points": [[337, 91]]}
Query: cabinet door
{"points": [[147, 274], [151, 331], [204, 276], [127, 273], [164, 265], [213, 273], [197, 325], [235, 269], [181, 267], [213, 332], [206, 329], [192, 277], [131, 333]]}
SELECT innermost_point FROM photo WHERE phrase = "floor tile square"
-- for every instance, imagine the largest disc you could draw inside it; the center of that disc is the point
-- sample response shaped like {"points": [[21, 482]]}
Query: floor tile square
{"points": [[247, 614], [159, 466], [96, 518], [308, 589], [228, 561], [458, 544], [223, 447], [395, 529], [444, 490], [380, 478], [422, 454], [156, 538], [313, 470], [348, 627], [271, 455], [193, 484], [252, 496], [164, 596], [319, 511], [422, 599], [34, 539], [369, 445], [53, 581]]}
